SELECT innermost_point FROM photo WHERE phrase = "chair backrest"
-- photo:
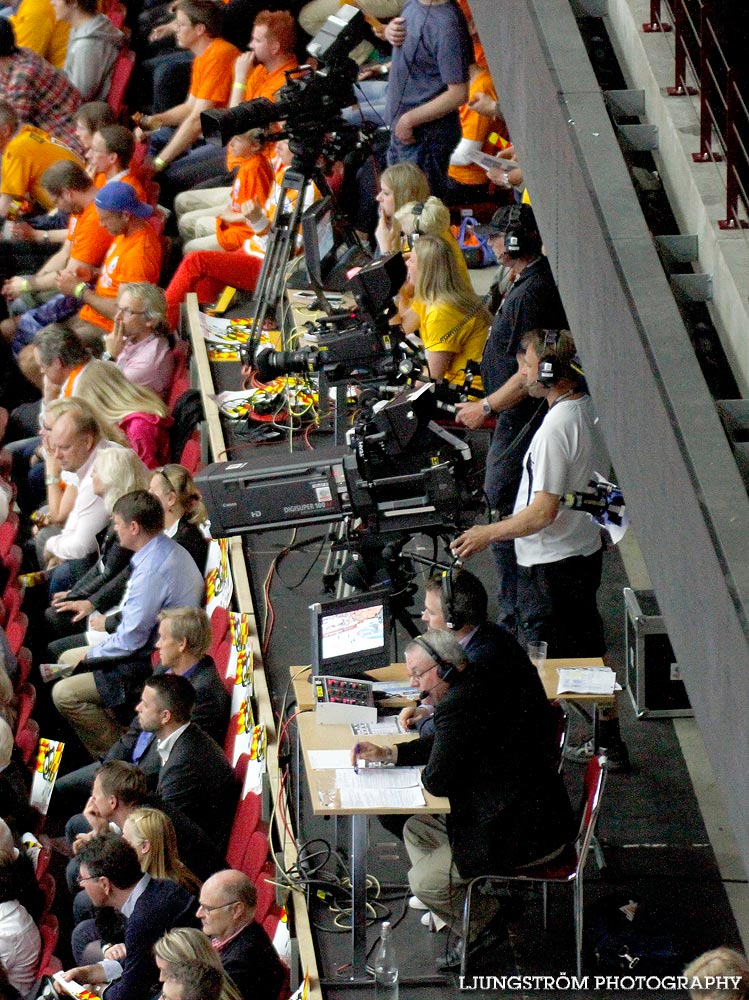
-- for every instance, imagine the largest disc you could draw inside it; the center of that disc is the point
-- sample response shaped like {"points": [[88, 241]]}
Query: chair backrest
{"points": [[15, 632], [594, 783], [25, 664], [8, 533], [219, 626], [49, 888], [121, 73], [12, 604], [49, 931], [26, 700], [245, 824], [12, 563], [190, 455], [27, 741], [561, 719]]}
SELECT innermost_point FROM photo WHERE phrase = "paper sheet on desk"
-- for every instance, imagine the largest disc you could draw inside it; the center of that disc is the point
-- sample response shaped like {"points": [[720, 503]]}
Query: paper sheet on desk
{"points": [[586, 680], [380, 787], [330, 760]]}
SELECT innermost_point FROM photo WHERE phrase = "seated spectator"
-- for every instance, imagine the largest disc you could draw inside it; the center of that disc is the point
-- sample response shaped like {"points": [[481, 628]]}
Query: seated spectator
{"points": [[194, 774], [15, 783], [139, 341], [89, 118], [184, 510], [82, 251], [111, 876], [130, 414], [256, 73], [163, 576], [134, 255], [198, 24], [8, 700], [39, 94], [452, 320], [228, 901], [93, 44], [23, 873], [27, 152], [187, 944], [116, 471], [399, 185], [110, 157], [192, 981], [151, 834], [110, 792], [36, 27], [204, 228], [75, 440], [20, 943]]}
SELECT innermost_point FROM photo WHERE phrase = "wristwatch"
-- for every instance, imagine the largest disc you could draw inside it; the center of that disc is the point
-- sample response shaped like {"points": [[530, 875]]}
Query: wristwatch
{"points": [[486, 407]]}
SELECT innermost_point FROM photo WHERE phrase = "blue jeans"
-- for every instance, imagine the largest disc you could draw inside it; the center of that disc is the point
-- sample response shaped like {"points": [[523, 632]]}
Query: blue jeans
{"points": [[435, 142]]}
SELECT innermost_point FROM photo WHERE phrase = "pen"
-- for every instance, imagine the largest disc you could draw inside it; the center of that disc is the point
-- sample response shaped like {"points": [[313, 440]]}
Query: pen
{"points": [[356, 759]]}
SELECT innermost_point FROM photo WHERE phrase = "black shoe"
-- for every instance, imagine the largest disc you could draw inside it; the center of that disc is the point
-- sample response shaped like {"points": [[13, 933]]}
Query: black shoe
{"points": [[452, 957]]}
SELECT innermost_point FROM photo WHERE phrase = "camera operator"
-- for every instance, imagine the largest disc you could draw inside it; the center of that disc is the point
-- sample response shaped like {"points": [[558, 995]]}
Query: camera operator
{"points": [[559, 551]]}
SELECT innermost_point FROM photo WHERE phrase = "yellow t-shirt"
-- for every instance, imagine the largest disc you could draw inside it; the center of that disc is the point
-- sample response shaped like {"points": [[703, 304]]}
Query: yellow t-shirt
{"points": [[36, 27], [26, 157], [441, 329]]}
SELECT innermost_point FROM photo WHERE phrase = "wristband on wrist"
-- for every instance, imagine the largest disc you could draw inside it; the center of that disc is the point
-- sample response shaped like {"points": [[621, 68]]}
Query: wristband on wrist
{"points": [[79, 290], [239, 86], [486, 406], [52, 480], [24, 284], [158, 162]]}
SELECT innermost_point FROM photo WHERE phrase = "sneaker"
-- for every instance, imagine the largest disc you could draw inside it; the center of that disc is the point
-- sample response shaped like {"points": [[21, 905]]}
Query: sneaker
{"points": [[416, 904], [432, 922], [617, 756]]}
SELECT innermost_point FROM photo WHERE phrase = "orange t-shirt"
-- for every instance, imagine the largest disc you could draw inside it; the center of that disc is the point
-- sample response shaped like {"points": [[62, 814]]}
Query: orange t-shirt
{"points": [[253, 183], [136, 257], [261, 83], [89, 240], [127, 178], [36, 27], [477, 128], [213, 72]]}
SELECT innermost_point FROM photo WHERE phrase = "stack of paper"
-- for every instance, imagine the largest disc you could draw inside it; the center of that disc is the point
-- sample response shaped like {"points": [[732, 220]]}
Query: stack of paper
{"points": [[586, 680], [380, 788]]}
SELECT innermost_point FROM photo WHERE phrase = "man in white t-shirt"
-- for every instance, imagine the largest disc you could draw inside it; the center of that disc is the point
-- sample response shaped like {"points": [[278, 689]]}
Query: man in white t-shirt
{"points": [[558, 550]]}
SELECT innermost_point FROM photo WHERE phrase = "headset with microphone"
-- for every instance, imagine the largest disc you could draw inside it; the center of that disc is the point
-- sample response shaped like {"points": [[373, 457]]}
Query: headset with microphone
{"points": [[454, 618], [552, 367], [445, 671]]}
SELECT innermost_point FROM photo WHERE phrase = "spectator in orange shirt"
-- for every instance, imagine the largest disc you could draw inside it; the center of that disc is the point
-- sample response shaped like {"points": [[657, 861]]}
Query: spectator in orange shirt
{"points": [[198, 29], [259, 72], [134, 255], [467, 181], [205, 229], [110, 156], [82, 252]]}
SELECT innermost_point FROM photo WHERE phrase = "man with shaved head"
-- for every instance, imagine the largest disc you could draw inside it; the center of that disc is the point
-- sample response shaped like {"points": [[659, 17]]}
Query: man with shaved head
{"points": [[228, 901]]}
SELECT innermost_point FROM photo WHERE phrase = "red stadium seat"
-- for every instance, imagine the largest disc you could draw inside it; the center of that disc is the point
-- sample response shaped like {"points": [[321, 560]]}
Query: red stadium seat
{"points": [[49, 889], [26, 701], [24, 666], [8, 533], [219, 626], [245, 823], [266, 899], [27, 741], [15, 632], [11, 605], [49, 930], [190, 456], [240, 768], [12, 564], [121, 73]]}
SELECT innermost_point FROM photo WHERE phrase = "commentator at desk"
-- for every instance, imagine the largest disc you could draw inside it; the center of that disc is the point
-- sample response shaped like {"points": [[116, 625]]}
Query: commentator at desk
{"points": [[508, 805]]}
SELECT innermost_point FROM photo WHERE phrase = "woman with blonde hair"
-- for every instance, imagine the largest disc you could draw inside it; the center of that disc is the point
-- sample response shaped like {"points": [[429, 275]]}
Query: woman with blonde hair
{"points": [[186, 944], [183, 508], [131, 414], [151, 834], [116, 471], [719, 963], [400, 184], [451, 318]]}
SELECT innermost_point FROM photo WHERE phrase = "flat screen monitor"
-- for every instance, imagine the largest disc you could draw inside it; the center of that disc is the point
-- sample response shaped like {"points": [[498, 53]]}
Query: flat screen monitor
{"points": [[351, 635], [318, 236]]}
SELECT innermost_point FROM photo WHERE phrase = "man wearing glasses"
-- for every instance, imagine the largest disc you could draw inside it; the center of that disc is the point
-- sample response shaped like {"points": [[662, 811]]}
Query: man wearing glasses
{"points": [[138, 342], [226, 911]]}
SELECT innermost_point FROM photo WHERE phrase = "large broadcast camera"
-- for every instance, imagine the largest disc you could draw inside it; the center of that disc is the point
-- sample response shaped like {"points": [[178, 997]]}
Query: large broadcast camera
{"points": [[310, 96], [361, 339], [404, 475]]}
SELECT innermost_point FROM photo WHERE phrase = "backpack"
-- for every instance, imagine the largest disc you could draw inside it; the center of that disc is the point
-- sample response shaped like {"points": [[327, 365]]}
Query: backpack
{"points": [[187, 413], [627, 936]]}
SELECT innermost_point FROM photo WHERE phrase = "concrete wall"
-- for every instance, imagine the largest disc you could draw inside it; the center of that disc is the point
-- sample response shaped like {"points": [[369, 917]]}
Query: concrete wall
{"points": [[682, 487]]}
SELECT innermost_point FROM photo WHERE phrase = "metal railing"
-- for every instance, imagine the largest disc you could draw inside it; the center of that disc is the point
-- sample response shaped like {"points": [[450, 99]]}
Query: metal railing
{"points": [[701, 58]]}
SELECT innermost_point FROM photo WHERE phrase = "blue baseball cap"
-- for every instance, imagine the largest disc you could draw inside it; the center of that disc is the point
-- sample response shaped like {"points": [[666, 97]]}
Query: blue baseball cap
{"points": [[117, 196]]}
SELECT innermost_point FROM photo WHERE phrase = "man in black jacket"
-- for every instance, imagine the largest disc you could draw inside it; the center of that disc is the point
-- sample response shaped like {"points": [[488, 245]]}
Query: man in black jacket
{"points": [[508, 805], [227, 906], [110, 874]]}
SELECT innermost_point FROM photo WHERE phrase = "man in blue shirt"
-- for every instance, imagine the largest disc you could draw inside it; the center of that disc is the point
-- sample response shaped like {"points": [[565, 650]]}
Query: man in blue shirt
{"points": [[428, 82], [109, 676]]}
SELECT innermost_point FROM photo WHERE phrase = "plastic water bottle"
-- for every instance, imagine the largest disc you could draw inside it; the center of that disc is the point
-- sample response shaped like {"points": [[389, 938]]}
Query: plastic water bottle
{"points": [[386, 966]]}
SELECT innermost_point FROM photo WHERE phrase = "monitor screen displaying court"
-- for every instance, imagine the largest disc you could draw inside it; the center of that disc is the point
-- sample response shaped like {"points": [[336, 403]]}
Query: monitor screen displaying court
{"points": [[351, 635]]}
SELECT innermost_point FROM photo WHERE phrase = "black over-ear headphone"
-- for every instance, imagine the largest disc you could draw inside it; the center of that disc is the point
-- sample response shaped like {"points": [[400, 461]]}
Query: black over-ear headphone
{"points": [[454, 619], [445, 671], [416, 209], [551, 368], [515, 233]]}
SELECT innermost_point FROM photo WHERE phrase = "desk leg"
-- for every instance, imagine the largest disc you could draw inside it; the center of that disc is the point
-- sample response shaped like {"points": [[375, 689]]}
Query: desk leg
{"points": [[358, 862]]}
